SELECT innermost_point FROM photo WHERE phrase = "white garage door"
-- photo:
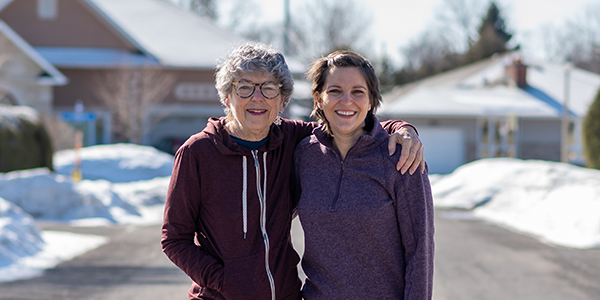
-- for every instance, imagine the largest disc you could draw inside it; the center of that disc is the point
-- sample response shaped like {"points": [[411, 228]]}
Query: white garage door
{"points": [[444, 148]]}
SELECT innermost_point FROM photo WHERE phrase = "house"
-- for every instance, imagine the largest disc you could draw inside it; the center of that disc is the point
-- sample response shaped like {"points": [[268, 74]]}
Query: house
{"points": [[501, 106], [26, 78], [75, 42]]}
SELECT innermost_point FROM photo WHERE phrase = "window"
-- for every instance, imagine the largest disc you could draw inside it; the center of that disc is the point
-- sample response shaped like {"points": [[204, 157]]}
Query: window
{"points": [[191, 91], [47, 9]]}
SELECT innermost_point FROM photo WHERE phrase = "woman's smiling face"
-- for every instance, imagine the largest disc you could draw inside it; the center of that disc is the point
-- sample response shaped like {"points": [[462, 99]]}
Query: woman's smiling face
{"points": [[345, 101], [254, 115]]}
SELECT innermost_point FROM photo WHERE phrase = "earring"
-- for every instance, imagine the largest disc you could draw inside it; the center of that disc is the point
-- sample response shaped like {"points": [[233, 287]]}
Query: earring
{"points": [[278, 120]]}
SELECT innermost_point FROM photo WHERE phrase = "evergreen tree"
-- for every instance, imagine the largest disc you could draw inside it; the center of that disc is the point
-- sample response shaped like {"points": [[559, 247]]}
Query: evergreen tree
{"points": [[385, 70], [591, 134], [493, 36]]}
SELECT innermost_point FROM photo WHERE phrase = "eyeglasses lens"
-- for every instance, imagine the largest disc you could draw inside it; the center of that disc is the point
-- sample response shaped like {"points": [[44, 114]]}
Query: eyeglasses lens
{"points": [[268, 89]]}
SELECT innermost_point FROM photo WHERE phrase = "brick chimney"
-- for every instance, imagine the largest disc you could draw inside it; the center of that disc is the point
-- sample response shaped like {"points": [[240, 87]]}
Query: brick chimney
{"points": [[518, 72]]}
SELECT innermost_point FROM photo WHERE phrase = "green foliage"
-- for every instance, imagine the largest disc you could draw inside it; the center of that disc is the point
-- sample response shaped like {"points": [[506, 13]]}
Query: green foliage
{"points": [[432, 54], [591, 134], [24, 142], [493, 36]]}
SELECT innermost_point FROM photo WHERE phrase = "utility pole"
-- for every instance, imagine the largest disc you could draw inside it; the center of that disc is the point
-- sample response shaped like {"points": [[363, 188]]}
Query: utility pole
{"points": [[565, 121], [286, 28]]}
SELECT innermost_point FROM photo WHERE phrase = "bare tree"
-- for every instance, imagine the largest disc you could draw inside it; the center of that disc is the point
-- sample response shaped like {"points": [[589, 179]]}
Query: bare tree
{"points": [[321, 27], [239, 15], [429, 53], [205, 8], [459, 20], [129, 93], [580, 39]]}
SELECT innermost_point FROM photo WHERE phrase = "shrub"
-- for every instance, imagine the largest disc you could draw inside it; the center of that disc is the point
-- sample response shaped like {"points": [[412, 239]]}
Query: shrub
{"points": [[591, 134], [24, 142]]}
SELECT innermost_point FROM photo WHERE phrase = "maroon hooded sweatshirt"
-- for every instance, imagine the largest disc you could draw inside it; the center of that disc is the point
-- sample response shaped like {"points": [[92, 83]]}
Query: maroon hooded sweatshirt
{"points": [[229, 210]]}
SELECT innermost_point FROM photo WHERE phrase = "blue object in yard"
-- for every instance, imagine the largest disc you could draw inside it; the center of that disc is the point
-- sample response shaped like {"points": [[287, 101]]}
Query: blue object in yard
{"points": [[78, 116]]}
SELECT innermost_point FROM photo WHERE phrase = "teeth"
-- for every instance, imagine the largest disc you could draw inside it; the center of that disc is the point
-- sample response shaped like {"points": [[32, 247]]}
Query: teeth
{"points": [[345, 113], [256, 110]]}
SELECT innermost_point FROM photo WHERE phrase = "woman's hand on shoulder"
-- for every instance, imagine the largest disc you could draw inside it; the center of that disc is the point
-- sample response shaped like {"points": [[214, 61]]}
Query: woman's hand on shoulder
{"points": [[411, 156]]}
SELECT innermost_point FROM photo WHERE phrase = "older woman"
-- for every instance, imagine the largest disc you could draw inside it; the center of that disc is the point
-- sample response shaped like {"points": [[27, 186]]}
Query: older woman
{"points": [[368, 228], [229, 207]]}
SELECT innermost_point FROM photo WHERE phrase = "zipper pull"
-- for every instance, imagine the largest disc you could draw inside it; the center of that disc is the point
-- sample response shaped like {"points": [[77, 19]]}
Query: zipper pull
{"points": [[255, 155]]}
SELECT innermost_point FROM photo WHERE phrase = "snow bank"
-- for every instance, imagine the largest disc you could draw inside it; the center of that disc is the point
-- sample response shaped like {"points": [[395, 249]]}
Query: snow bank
{"points": [[19, 236], [46, 195], [116, 162], [122, 184], [558, 203]]}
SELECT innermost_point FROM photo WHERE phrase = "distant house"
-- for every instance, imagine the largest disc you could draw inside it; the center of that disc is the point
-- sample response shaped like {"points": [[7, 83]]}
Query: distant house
{"points": [[73, 41], [500, 106], [26, 78]]}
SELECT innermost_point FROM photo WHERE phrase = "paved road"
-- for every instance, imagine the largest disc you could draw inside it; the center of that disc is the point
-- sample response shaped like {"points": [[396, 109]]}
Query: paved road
{"points": [[130, 266], [474, 261], [478, 261]]}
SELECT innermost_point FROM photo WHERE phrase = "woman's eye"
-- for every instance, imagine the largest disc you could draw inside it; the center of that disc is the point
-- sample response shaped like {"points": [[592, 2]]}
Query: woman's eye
{"points": [[358, 92], [334, 91]]}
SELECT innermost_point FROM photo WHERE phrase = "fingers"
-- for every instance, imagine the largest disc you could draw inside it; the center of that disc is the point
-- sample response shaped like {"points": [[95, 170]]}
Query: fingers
{"points": [[394, 139], [410, 160], [404, 156], [419, 162]]}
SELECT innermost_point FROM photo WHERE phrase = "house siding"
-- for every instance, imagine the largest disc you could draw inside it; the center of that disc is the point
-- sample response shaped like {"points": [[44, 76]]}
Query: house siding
{"points": [[540, 139], [19, 75], [82, 82], [91, 31]]}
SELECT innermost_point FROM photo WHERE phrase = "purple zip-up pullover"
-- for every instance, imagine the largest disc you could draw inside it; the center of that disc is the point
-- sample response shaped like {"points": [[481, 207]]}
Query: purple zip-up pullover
{"points": [[368, 228]]}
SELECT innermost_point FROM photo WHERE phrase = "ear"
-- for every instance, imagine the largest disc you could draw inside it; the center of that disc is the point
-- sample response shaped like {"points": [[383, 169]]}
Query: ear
{"points": [[281, 104], [227, 101], [317, 100]]}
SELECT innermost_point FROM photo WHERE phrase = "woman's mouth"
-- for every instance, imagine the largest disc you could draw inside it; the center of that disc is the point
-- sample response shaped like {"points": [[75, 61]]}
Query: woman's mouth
{"points": [[256, 111], [345, 113]]}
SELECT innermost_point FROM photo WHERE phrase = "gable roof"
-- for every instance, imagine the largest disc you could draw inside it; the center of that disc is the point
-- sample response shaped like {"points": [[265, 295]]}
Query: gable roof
{"points": [[51, 75], [174, 37], [480, 89]]}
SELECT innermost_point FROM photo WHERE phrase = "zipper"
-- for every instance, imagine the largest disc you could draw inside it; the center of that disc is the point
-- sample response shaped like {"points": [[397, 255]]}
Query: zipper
{"points": [[263, 214], [339, 186]]}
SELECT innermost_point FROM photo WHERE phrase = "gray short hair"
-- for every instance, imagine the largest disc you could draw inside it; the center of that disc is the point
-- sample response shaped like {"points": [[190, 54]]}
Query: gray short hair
{"points": [[253, 57]]}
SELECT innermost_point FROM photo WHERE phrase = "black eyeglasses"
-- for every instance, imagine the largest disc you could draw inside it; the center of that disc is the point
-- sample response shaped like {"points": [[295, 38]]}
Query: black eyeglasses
{"points": [[268, 89]]}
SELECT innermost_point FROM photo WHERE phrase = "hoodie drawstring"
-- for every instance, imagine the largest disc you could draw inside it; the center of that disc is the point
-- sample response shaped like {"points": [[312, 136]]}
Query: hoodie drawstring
{"points": [[262, 197], [245, 195]]}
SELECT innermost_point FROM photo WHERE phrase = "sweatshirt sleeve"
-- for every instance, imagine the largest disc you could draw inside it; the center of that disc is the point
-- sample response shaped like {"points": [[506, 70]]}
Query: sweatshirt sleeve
{"points": [[301, 129], [415, 220], [179, 224], [392, 126]]}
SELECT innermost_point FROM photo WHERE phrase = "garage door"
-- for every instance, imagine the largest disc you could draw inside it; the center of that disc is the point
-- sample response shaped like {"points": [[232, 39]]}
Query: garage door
{"points": [[444, 148]]}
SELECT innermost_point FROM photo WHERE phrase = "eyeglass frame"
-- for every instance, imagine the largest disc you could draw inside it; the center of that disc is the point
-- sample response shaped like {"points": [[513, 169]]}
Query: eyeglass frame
{"points": [[259, 85]]}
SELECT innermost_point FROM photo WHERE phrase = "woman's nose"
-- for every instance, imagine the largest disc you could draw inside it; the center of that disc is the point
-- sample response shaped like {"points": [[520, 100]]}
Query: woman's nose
{"points": [[346, 99], [257, 95]]}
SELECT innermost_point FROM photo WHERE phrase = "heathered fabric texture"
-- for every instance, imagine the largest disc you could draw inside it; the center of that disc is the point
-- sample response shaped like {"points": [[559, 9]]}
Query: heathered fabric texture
{"points": [[368, 228], [204, 202]]}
